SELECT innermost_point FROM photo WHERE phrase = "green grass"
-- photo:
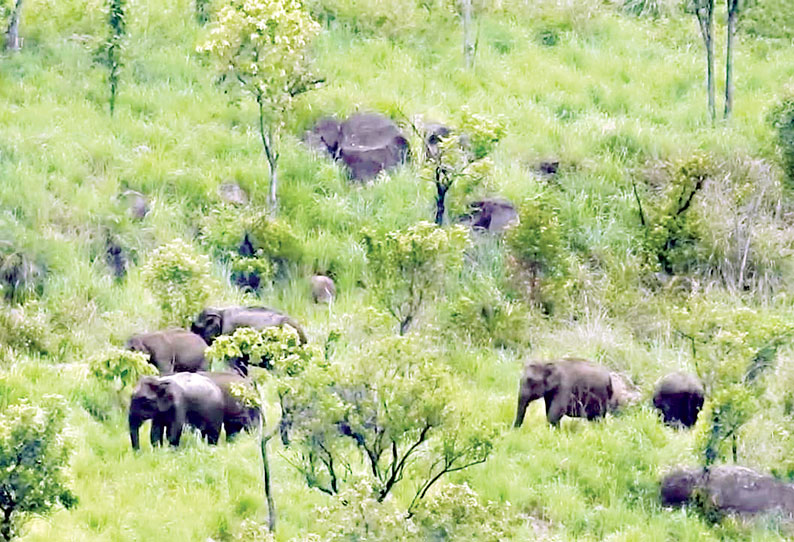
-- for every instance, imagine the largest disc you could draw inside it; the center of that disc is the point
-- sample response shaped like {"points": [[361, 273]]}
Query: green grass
{"points": [[609, 96]]}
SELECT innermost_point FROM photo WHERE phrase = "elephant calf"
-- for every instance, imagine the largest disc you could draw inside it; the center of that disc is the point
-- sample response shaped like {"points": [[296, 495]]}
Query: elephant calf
{"points": [[570, 387], [679, 397], [172, 350], [171, 402]]}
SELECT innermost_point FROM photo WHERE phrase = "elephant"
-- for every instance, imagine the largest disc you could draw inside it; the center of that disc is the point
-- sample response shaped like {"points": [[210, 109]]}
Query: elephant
{"points": [[323, 289], [572, 387], [171, 402], [679, 397], [172, 350], [236, 415]]}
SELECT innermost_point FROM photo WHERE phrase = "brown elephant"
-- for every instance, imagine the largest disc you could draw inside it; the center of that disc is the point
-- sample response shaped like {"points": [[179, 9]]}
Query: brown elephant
{"points": [[570, 387], [172, 350], [236, 415], [679, 396], [171, 402], [213, 322]]}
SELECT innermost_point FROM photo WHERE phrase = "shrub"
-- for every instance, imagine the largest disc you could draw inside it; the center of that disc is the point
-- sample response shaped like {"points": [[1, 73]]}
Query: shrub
{"points": [[180, 280], [21, 276], [411, 266], [33, 458], [119, 367], [26, 329], [782, 117]]}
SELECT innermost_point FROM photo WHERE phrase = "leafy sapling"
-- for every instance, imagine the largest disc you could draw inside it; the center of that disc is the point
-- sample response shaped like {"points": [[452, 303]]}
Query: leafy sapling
{"points": [[110, 52], [262, 48]]}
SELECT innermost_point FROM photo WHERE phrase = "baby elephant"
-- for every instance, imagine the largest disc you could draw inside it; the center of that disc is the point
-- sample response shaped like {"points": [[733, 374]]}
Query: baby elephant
{"points": [[679, 397], [171, 401], [571, 387], [172, 350], [323, 289]]}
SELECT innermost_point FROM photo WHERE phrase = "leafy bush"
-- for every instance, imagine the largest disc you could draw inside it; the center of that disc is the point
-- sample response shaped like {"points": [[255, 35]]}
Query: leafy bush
{"points": [[33, 459], [782, 118], [26, 328], [277, 349], [410, 266], [274, 239], [21, 276], [180, 280], [119, 367]]}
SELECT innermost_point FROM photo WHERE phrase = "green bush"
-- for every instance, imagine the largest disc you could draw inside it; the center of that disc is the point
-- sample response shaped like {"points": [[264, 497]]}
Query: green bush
{"points": [[180, 280], [769, 19], [120, 368], [26, 328], [33, 458], [782, 117]]}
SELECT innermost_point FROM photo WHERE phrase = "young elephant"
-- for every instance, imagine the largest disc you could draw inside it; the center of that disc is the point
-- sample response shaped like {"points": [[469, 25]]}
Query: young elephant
{"points": [[172, 350], [570, 387], [679, 396], [213, 322], [236, 415], [171, 402], [323, 289]]}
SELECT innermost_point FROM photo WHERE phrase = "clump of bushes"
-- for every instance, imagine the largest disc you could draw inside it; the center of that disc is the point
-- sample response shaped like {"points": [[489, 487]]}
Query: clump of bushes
{"points": [[181, 281], [782, 117], [25, 329]]}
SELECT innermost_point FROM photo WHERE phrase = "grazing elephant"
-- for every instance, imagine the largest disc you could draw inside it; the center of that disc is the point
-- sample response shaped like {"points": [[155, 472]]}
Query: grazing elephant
{"points": [[679, 396], [236, 415], [323, 289], [171, 402], [571, 387], [213, 322], [172, 350]]}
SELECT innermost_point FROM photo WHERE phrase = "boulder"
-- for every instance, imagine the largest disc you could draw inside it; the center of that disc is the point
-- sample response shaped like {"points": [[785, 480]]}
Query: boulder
{"points": [[624, 392], [233, 193], [729, 489], [493, 215], [367, 143]]}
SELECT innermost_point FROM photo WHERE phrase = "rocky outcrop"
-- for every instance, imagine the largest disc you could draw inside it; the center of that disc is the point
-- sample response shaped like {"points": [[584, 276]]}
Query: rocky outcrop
{"points": [[493, 215]]}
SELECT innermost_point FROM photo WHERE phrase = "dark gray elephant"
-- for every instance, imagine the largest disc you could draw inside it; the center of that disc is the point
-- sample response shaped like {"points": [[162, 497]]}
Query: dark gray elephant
{"points": [[571, 387], [236, 415], [171, 402], [213, 322], [172, 350], [679, 397]]}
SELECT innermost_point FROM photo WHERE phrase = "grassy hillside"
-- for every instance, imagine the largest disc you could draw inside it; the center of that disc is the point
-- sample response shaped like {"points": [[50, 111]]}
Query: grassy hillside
{"points": [[618, 100]]}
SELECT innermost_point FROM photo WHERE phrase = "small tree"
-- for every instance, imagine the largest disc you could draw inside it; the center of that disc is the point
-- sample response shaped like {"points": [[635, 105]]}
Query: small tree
{"points": [[33, 459], [180, 279], [278, 349], [14, 16], [120, 368], [704, 11], [461, 153], [110, 51], [261, 47], [409, 266]]}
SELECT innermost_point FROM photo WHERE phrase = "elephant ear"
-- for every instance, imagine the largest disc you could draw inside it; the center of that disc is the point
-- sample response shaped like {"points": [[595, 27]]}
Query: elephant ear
{"points": [[165, 396], [552, 375], [208, 325]]}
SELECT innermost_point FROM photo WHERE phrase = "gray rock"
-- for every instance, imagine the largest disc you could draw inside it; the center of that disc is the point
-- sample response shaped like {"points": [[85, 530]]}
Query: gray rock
{"points": [[494, 215], [233, 193], [136, 202], [323, 289]]}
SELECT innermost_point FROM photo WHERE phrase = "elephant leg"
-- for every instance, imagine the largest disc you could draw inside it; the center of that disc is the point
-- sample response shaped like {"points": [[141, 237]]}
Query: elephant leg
{"points": [[555, 410], [156, 433], [523, 402], [232, 428], [174, 433]]}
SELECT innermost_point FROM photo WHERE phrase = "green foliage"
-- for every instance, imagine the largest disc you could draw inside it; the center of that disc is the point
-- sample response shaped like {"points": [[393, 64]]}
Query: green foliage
{"points": [[782, 118], [769, 18], [536, 241], [277, 349], [726, 412], [26, 329], [21, 277], [120, 368], [275, 239], [33, 460], [390, 411], [393, 19], [410, 266], [180, 280], [111, 50], [203, 8], [454, 513]]}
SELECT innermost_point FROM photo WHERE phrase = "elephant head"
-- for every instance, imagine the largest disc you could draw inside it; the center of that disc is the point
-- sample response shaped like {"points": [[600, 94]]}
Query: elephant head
{"points": [[537, 380], [208, 325], [151, 398], [137, 344]]}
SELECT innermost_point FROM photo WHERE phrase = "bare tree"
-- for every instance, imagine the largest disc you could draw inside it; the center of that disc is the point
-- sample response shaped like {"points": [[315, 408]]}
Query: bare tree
{"points": [[468, 38], [704, 11], [733, 15]]}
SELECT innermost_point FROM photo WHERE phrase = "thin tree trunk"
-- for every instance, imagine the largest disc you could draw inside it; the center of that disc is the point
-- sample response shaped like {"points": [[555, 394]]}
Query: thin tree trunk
{"points": [[441, 195], [468, 38], [733, 9], [12, 36], [271, 505], [705, 15], [271, 154]]}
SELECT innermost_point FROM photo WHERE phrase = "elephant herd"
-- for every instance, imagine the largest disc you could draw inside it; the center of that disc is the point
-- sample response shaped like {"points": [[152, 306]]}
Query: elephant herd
{"points": [[186, 393], [581, 389]]}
